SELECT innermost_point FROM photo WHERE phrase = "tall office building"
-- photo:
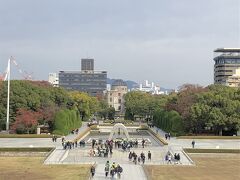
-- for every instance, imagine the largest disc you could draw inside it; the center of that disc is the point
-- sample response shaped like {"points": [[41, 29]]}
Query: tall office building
{"points": [[227, 61], [87, 64], [87, 80]]}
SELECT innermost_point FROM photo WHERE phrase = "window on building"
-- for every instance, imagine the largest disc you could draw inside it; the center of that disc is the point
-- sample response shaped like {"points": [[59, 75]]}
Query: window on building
{"points": [[119, 107], [119, 94], [110, 99], [119, 101]]}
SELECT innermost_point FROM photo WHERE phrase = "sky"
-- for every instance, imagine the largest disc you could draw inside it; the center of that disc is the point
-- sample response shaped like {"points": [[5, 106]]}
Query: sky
{"points": [[170, 42]]}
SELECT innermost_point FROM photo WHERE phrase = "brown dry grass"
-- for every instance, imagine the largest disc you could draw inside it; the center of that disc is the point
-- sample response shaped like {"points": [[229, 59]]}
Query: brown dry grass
{"points": [[29, 168], [208, 167]]}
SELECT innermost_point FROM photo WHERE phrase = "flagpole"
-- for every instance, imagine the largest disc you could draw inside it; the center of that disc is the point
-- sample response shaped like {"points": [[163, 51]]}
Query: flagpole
{"points": [[8, 93]]}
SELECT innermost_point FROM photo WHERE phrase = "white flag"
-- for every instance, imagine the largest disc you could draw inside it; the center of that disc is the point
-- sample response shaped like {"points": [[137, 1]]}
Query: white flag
{"points": [[7, 71]]}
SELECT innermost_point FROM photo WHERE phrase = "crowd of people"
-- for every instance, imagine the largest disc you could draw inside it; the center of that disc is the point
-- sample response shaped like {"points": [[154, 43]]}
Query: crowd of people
{"points": [[110, 170], [101, 149], [132, 156], [105, 149], [113, 170], [175, 159], [71, 144]]}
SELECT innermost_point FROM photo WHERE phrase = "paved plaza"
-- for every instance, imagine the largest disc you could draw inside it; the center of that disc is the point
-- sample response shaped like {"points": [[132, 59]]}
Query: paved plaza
{"points": [[81, 155]]}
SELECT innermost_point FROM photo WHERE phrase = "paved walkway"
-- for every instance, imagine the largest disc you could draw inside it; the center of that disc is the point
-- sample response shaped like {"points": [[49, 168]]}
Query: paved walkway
{"points": [[81, 129], [130, 171], [200, 143], [29, 142]]}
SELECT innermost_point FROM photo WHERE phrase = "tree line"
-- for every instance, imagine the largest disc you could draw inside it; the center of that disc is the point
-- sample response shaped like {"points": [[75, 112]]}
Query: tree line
{"points": [[193, 110], [34, 103]]}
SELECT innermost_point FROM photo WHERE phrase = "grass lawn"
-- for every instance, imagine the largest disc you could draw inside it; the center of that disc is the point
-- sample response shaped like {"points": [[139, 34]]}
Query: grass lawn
{"points": [[191, 150], [208, 167], [26, 136], [209, 137], [29, 168]]}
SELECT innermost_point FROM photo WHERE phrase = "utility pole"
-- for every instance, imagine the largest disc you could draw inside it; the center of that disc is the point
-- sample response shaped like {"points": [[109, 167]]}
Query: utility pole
{"points": [[8, 93]]}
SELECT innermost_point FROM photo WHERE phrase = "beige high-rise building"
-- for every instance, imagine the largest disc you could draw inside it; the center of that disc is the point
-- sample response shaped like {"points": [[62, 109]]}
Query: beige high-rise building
{"points": [[227, 63], [234, 80], [115, 97]]}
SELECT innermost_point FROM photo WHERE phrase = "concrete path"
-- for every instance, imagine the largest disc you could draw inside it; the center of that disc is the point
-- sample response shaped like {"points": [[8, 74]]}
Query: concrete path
{"points": [[29, 142], [130, 171], [71, 137], [200, 143], [160, 131], [206, 143]]}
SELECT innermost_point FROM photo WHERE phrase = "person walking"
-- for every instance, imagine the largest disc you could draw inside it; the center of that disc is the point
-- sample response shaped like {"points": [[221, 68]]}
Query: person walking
{"points": [[130, 156], [149, 155], [135, 158], [169, 158], [107, 168], [143, 143], [193, 144], [143, 159], [119, 170], [112, 172], [166, 136], [93, 170], [139, 160]]}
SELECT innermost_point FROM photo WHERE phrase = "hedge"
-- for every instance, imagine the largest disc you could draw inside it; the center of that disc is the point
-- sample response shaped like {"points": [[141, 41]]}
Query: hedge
{"points": [[169, 121], [188, 150], [65, 121]]}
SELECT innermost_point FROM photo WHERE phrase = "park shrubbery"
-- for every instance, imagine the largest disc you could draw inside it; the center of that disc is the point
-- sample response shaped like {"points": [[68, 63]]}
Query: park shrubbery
{"points": [[169, 121], [65, 121]]}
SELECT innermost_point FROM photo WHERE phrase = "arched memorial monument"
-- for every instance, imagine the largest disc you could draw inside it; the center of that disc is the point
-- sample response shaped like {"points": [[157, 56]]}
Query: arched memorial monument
{"points": [[117, 128]]}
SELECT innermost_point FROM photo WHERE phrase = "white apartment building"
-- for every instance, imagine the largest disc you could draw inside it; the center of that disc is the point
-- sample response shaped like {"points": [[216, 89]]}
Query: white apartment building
{"points": [[53, 79], [151, 88]]}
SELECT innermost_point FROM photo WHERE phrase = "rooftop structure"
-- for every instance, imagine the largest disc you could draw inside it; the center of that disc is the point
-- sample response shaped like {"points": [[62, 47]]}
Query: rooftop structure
{"points": [[87, 64]]}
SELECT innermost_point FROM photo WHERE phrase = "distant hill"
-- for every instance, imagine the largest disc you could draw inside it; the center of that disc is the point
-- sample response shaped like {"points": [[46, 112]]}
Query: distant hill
{"points": [[130, 84]]}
